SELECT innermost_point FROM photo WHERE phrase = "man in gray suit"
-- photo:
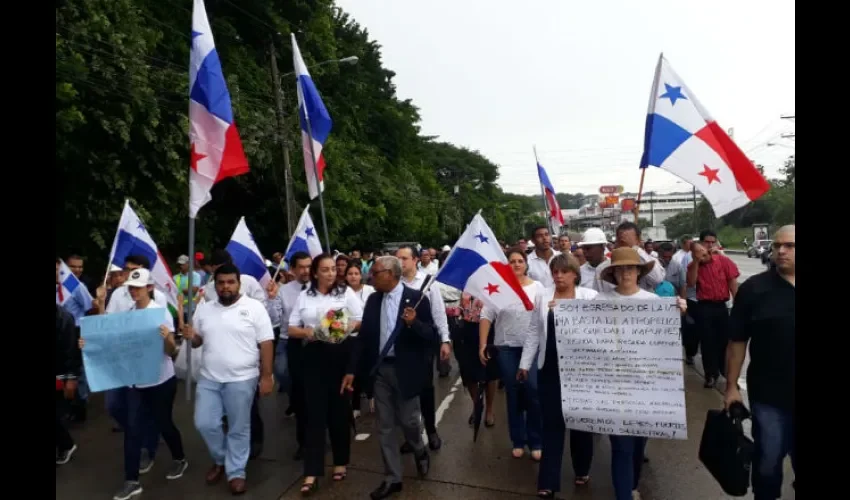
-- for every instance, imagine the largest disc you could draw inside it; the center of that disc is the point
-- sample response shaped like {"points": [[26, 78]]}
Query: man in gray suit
{"points": [[395, 344]]}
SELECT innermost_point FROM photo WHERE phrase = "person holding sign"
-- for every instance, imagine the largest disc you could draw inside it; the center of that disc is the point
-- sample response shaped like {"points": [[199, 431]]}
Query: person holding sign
{"points": [[540, 343], [510, 331], [154, 401], [626, 270]]}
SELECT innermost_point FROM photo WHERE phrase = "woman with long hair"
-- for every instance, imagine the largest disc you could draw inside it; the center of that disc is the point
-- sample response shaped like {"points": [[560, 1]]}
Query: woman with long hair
{"points": [[627, 452], [510, 329], [540, 344], [154, 401], [354, 279], [325, 365]]}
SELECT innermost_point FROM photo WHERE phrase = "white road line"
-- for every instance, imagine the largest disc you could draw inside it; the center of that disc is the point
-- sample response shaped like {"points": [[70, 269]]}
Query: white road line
{"points": [[444, 405]]}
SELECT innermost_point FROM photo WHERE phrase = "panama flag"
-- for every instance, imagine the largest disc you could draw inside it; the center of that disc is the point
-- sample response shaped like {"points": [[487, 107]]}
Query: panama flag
{"points": [[305, 238], [132, 238], [69, 286], [478, 266], [315, 121], [216, 150], [555, 214], [246, 255], [683, 139]]}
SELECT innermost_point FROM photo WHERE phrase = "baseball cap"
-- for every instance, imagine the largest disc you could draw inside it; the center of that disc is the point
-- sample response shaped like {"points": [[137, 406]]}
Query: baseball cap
{"points": [[183, 259], [199, 256], [139, 278]]}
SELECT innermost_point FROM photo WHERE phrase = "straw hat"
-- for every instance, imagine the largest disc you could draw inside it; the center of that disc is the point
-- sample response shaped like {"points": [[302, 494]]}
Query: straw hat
{"points": [[626, 257]]}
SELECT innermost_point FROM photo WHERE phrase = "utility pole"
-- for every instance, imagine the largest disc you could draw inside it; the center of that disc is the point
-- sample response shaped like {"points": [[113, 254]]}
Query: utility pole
{"points": [[284, 144]]}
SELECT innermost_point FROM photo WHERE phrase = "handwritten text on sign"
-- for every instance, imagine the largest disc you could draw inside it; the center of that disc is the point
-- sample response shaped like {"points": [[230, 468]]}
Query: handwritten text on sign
{"points": [[621, 367], [122, 349]]}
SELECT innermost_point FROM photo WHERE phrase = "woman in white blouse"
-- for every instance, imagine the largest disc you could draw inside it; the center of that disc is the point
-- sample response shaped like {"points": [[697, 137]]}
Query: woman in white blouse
{"points": [[327, 372], [354, 278], [510, 331], [540, 344]]}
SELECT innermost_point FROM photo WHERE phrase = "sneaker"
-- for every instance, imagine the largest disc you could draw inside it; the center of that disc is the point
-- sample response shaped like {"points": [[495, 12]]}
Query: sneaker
{"points": [[65, 456], [130, 489], [178, 467], [145, 462], [356, 414]]}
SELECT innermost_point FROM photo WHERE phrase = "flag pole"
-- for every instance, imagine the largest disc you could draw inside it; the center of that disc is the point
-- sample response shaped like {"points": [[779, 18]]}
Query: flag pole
{"points": [[188, 345], [543, 192], [640, 194], [316, 172]]}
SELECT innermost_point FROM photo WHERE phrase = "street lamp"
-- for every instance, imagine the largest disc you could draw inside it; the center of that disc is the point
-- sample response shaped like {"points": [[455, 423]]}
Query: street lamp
{"points": [[345, 60]]}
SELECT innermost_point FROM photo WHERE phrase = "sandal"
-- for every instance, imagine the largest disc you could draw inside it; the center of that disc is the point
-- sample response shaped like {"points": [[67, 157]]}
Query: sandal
{"points": [[340, 475], [308, 489], [517, 452], [536, 455], [582, 480], [490, 422], [545, 494]]}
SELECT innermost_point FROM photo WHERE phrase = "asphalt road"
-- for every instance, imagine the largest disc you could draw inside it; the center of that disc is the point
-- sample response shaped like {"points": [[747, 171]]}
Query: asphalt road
{"points": [[461, 469]]}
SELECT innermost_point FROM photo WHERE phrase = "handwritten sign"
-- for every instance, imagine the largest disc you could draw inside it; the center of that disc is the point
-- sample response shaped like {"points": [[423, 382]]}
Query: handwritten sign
{"points": [[621, 370], [122, 349]]}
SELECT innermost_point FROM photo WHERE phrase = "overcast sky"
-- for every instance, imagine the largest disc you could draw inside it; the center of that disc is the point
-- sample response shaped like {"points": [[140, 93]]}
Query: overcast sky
{"points": [[573, 78]]}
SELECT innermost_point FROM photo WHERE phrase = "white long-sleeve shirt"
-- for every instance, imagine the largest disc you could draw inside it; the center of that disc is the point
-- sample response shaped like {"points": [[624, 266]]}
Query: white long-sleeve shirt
{"points": [[438, 307]]}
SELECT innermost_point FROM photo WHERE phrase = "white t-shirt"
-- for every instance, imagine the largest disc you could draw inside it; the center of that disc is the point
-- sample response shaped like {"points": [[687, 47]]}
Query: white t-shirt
{"points": [[248, 285], [364, 293], [166, 370], [121, 301], [309, 308], [512, 323], [232, 335], [640, 295]]}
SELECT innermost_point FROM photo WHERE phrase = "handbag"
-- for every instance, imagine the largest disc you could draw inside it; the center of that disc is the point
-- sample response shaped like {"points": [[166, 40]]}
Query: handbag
{"points": [[726, 451]]}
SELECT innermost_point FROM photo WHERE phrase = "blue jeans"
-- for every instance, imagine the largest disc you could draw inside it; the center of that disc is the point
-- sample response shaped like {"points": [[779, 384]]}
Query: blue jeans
{"points": [[213, 400], [626, 463], [281, 364], [117, 405], [524, 426], [773, 436]]}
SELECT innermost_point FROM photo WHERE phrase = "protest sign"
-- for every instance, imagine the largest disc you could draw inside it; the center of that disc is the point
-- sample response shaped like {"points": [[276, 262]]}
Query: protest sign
{"points": [[620, 364], [122, 349]]}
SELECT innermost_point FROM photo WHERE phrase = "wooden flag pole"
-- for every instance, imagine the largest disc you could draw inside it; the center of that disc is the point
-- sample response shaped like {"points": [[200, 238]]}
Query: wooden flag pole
{"points": [[640, 194]]}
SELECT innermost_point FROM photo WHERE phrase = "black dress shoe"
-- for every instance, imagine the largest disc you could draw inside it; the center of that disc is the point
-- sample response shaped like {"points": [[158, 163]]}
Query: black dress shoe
{"points": [[423, 464], [406, 448], [385, 490], [434, 441]]}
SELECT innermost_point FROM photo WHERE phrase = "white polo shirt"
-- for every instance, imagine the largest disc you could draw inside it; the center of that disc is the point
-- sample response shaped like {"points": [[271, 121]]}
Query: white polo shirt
{"points": [[232, 335], [166, 368]]}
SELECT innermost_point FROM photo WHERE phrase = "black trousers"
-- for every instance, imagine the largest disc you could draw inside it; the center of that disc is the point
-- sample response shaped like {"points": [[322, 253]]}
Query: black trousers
{"points": [[150, 403], [713, 323], [295, 357], [328, 410], [64, 442], [427, 400], [690, 330]]}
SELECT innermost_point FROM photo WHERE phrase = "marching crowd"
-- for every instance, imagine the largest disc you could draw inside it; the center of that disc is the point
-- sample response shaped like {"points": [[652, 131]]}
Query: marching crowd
{"points": [[404, 329]]}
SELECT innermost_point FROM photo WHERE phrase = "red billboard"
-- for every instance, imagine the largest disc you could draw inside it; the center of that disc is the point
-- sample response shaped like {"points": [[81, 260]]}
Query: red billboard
{"points": [[627, 205]]}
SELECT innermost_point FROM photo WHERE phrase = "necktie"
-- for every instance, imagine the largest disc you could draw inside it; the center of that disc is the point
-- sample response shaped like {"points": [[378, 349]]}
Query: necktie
{"points": [[304, 286]]}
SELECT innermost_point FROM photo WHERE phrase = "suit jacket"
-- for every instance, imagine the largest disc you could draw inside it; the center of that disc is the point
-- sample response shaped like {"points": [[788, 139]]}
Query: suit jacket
{"points": [[413, 347]]}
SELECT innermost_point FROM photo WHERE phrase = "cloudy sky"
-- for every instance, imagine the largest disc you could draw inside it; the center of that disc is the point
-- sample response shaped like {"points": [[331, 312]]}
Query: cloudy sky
{"points": [[573, 78]]}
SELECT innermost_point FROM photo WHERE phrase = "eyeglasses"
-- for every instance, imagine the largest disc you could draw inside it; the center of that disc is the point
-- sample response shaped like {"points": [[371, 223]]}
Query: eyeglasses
{"points": [[787, 245]]}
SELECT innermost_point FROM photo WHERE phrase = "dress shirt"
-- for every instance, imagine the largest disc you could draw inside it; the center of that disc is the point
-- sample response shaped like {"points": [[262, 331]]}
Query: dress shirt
{"points": [[389, 316]]}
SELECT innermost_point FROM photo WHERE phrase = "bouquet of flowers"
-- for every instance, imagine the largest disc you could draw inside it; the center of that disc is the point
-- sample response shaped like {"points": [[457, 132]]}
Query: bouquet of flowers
{"points": [[333, 327]]}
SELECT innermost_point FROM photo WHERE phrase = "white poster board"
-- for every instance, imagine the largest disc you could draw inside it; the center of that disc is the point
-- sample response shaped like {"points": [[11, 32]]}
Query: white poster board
{"points": [[621, 368]]}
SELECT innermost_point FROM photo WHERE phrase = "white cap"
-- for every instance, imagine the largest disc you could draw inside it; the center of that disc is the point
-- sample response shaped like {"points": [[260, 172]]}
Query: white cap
{"points": [[139, 278], [593, 236], [115, 269], [447, 248], [183, 259]]}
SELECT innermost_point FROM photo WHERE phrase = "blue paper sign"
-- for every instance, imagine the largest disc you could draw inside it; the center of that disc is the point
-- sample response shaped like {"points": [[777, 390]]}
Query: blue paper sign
{"points": [[122, 349]]}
